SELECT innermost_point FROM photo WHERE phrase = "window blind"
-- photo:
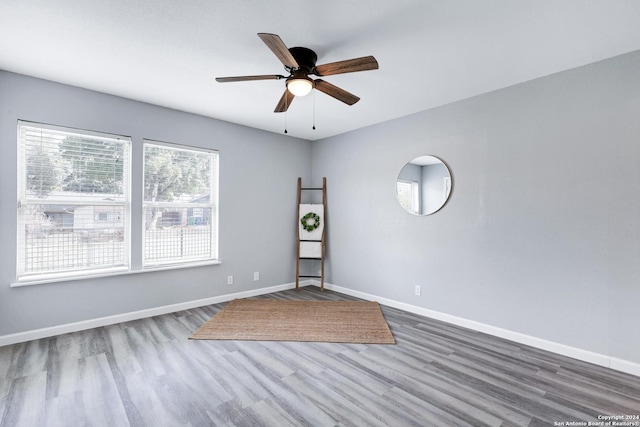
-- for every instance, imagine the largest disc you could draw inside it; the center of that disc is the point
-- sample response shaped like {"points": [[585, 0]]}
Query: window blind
{"points": [[408, 196], [180, 204], [73, 201]]}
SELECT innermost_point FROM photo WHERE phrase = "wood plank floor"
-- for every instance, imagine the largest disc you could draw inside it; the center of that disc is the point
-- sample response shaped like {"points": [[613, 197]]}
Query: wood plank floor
{"points": [[146, 373]]}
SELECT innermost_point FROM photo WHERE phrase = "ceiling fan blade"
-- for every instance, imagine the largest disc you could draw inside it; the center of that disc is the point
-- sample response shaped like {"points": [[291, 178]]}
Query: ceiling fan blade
{"points": [[247, 78], [336, 92], [348, 66], [285, 102], [277, 46]]}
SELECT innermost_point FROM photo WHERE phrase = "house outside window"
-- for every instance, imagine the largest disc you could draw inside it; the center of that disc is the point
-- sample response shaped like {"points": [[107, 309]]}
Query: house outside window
{"points": [[180, 211], [73, 202]]}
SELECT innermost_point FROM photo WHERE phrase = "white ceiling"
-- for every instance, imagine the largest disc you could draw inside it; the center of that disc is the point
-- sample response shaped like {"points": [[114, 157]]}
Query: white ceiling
{"points": [[431, 52]]}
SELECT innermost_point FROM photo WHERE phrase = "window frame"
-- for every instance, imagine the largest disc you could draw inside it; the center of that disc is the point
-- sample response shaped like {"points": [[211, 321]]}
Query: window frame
{"points": [[414, 193], [213, 205], [24, 200]]}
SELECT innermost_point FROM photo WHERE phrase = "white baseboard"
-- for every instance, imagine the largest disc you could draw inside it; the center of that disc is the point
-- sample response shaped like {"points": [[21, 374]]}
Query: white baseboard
{"points": [[565, 350], [554, 347], [135, 315], [625, 366]]}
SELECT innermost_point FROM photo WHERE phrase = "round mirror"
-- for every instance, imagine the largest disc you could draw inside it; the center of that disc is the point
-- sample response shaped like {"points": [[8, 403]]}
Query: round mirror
{"points": [[423, 185]]}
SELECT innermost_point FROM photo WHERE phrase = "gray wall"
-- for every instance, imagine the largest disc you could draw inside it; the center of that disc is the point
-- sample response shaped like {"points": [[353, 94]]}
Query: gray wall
{"points": [[258, 178], [542, 232], [541, 235]]}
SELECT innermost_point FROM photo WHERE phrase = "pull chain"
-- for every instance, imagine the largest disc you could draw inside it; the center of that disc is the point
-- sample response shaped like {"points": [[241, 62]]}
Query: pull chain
{"points": [[286, 112], [314, 110]]}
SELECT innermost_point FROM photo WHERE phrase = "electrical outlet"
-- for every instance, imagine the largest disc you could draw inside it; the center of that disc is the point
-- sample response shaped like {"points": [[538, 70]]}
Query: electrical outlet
{"points": [[418, 291], [256, 276], [229, 280]]}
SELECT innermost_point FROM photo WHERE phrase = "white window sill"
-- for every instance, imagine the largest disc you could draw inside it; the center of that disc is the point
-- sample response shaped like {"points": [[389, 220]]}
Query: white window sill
{"points": [[165, 267]]}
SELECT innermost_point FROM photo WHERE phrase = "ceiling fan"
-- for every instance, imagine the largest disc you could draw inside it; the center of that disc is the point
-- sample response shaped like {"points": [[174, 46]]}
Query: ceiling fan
{"points": [[300, 62]]}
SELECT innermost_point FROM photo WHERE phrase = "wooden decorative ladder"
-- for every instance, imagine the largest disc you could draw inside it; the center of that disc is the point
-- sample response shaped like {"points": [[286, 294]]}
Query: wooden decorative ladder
{"points": [[302, 240]]}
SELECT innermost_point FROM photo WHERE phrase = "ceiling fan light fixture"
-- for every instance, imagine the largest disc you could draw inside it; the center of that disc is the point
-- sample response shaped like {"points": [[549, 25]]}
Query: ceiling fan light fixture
{"points": [[300, 62], [300, 86]]}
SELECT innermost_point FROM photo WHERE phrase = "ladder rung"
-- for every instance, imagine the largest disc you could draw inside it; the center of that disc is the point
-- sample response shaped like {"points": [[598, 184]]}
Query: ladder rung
{"points": [[311, 240], [317, 277], [314, 188], [309, 257]]}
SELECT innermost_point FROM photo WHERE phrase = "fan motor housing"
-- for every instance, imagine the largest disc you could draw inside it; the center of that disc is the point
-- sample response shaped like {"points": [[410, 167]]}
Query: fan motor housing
{"points": [[305, 57]]}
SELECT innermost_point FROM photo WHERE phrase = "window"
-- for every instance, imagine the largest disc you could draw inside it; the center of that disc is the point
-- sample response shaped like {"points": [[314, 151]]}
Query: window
{"points": [[180, 204], [408, 195], [73, 202]]}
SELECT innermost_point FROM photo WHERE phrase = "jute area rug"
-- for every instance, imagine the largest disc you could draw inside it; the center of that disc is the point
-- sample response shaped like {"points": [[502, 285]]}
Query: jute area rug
{"points": [[358, 322]]}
